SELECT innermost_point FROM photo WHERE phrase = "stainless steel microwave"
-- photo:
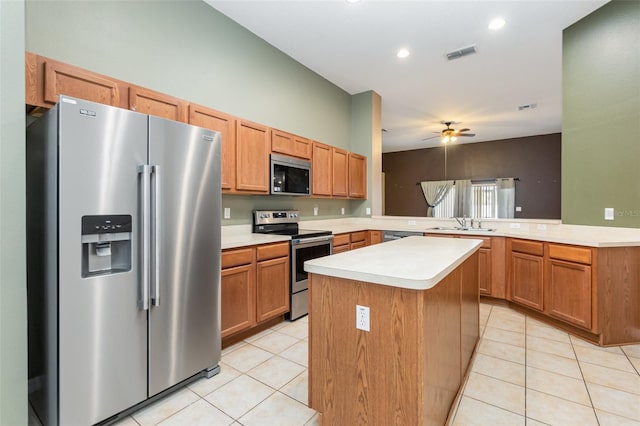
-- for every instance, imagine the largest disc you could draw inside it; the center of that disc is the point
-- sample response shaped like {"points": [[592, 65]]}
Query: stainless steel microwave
{"points": [[290, 176]]}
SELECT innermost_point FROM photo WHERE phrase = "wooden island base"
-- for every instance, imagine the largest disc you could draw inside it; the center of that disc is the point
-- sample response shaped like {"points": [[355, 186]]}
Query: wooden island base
{"points": [[409, 367]]}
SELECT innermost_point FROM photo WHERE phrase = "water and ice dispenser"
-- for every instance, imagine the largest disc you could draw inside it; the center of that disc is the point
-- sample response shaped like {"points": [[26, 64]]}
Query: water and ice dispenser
{"points": [[106, 244]]}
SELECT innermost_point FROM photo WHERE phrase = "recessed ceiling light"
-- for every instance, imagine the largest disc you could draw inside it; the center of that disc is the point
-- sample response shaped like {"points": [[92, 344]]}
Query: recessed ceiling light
{"points": [[403, 53], [497, 23]]}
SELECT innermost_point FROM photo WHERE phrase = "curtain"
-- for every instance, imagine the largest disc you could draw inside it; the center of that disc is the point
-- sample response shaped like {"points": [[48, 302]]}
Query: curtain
{"points": [[506, 197], [434, 192], [463, 198]]}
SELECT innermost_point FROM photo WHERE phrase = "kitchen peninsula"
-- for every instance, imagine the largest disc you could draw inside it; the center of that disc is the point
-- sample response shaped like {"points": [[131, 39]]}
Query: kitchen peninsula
{"points": [[417, 335]]}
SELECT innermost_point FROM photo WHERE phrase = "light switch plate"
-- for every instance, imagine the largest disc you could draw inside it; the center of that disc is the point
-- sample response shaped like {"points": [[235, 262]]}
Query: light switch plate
{"points": [[315, 210], [609, 213], [368, 210], [412, 222], [227, 213], [342, 210], [514, 225]]}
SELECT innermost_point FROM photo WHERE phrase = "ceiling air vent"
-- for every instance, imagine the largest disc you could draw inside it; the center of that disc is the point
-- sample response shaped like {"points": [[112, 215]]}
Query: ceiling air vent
{"points": [[469, 50]]}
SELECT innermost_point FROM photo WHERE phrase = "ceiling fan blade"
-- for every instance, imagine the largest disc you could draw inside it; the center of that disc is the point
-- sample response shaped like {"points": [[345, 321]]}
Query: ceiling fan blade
{"points": [[467, 134], [432, 137], [463, 130]]}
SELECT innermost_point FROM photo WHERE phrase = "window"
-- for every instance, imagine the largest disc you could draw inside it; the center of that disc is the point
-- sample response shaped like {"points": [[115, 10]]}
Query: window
{"points": [[484, 202]]}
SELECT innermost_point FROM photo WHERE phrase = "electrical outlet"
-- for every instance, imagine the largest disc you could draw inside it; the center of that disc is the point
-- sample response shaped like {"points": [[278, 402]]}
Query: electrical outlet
{"points": [[368, 210], [514, 225], [227, 213], [518, 208], [609, 213], [315, 210], [412, 222], [362, 318], [342, 211], [542, 227]]}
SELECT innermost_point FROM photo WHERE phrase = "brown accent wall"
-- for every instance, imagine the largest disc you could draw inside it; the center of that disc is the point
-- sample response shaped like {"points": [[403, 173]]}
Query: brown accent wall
{"points": [[535, 160]]}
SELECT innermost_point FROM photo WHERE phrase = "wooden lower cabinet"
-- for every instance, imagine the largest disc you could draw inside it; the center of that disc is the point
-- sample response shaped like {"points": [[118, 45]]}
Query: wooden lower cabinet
{"points": [[272, 297], [484, 271], [569, 292], [254, 286], [358, 240], [375, 237], [238, 299], [527, 274], [238, 291], [341, 243]]}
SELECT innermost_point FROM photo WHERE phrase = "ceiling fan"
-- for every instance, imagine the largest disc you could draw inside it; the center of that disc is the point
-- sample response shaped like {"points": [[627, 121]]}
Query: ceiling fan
{"points": [[449, 134]]}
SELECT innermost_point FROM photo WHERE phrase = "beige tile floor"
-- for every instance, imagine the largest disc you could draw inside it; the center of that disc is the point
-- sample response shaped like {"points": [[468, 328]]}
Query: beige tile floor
{"points": [[524, 373]]}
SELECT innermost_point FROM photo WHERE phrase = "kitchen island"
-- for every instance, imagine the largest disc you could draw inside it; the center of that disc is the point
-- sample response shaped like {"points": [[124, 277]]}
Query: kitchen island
{"points": [[423, 314]]}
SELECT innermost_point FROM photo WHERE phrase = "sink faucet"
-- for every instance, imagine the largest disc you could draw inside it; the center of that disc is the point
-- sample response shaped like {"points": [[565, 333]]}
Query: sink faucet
{"points": [[462, 222]]}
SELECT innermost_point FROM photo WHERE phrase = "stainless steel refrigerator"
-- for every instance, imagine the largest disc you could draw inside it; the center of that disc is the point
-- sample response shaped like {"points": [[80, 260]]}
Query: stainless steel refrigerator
{"points": [[123, 256]]}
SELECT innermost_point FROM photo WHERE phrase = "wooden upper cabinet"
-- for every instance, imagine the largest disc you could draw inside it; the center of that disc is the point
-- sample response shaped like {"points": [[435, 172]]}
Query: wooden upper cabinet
{"points": [[150, 102], [46, 80], [340, 172], [286, 143], [321, 169], [253, 142], [357, 176], [226, 125]]}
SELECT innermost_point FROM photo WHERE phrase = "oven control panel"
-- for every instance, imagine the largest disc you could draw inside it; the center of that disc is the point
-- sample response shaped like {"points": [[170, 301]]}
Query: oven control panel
{"points": [[263, 217]]}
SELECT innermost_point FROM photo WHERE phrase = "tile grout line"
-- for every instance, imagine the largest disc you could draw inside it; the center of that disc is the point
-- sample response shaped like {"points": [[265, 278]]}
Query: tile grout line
{"points": [[593, 407]]}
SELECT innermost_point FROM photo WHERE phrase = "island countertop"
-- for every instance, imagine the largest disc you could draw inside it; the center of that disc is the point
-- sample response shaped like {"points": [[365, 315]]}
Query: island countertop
{"points": [[416, 263]]}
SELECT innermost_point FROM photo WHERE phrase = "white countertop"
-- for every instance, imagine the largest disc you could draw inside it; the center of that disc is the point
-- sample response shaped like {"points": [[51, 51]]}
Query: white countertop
{"points": [[416, 263], [240, 236], [531, 229]]}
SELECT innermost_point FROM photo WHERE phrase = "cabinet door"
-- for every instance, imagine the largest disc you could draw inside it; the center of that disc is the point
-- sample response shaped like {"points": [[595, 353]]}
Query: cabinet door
{"points": [[526, 280], [484, 271], [340, 248], [301, 147], [357, 176], [226, 125], [375, 237], [63, 79], [340, 171], [272, 297], [238, 309], [321, 169], [286, 143], [358, 244], [149, 102], [253, 143], [569, 292]]}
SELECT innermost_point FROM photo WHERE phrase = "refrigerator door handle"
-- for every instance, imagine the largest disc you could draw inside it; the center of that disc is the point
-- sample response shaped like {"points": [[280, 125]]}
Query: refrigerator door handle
{"points": [[155, 295], [145, 233]]}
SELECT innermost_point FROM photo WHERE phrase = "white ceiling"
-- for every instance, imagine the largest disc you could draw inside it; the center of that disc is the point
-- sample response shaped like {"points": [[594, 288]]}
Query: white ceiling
{"points": [[354, 46]]}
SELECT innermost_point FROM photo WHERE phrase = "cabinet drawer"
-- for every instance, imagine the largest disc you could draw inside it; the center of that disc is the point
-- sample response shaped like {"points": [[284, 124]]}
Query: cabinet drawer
{"points": [[236, 257], [358, 236], [571, 254], [535, 248], [340, 248], [341, 239], [486, 241], [272, 251]]}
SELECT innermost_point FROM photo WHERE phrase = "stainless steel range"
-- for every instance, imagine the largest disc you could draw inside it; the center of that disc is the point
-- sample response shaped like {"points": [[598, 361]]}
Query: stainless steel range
{"points": [[305, 245]]}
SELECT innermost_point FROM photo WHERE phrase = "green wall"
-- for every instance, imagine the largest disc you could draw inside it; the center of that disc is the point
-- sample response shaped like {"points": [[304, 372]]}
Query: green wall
{"points": [[601, 117], [13, 299], [189, 50]]}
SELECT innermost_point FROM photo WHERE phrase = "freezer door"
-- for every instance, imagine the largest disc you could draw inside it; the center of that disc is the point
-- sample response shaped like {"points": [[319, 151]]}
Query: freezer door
{"points": [[184, 323], [102, 332]]}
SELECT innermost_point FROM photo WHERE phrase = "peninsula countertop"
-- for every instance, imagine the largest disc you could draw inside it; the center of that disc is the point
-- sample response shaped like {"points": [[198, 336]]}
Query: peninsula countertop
{"points": [[416, 263]]}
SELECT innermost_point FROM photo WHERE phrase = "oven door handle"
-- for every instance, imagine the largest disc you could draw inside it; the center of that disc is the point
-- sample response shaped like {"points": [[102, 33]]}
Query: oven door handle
{"points": [[323, 239]]}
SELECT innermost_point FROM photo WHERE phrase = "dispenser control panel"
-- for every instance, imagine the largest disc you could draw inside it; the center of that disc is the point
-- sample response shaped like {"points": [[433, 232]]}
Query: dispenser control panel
{"points": [[106, 224]]}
